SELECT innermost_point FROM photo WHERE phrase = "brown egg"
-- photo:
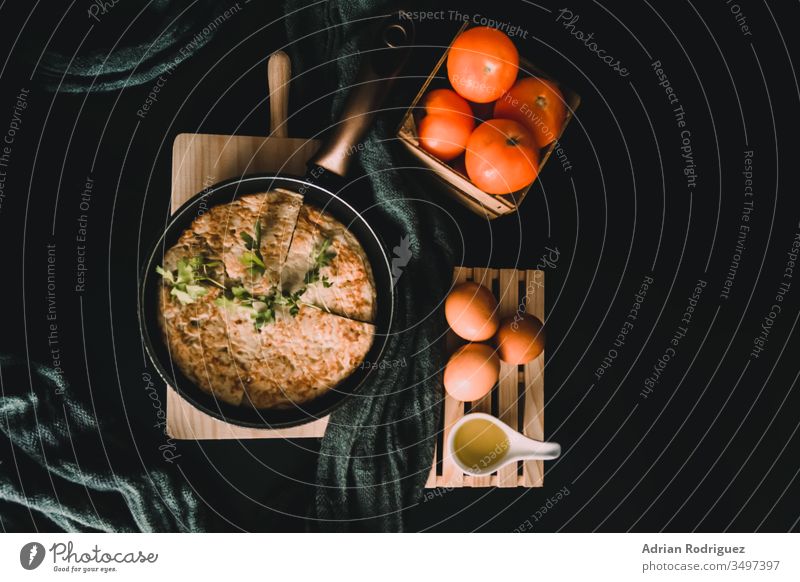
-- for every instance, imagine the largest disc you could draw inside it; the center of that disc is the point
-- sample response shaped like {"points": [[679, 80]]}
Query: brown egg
{"points": [[471, 311], [520, 338], [471, 372]]}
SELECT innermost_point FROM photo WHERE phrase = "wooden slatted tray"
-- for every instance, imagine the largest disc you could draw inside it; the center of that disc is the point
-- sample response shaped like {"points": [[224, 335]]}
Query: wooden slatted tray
{"points": [[518, 397]]}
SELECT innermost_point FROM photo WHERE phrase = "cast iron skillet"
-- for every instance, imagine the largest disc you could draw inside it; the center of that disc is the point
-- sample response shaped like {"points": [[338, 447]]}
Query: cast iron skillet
{"points": [[322, 187]]}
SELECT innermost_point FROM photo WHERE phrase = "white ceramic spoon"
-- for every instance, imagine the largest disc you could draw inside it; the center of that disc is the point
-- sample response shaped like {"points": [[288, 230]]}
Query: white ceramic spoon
{"points": [[520, 447]]}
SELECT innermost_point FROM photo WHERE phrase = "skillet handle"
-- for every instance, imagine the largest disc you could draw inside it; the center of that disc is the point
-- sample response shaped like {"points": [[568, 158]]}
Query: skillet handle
{"points": [[279, 70], [379, 66]]}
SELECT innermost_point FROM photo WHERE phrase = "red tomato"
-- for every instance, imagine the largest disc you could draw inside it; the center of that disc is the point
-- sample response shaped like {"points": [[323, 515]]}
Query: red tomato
{"points": [[482, 64], [502, 157], [538, 105], [444, 136], [447, 101], [447, 124]]}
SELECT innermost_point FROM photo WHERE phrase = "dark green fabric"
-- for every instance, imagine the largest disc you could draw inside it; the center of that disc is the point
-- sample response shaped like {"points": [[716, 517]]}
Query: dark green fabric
{"points": [[65, 466], [158, 36], [67, 469], [378, 447]]}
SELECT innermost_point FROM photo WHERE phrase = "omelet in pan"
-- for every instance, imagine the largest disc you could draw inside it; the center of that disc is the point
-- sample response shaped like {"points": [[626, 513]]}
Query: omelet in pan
{"points": [[267, 302]]}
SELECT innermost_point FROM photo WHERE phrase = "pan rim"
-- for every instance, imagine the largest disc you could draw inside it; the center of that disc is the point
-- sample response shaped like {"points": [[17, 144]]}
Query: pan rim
{"points": [[258, 419]]}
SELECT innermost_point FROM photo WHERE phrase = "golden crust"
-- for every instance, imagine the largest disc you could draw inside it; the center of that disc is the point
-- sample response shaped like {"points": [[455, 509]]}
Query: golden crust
{"points": [[352, 293], [191, 332], [298, 358], [221, 229]]}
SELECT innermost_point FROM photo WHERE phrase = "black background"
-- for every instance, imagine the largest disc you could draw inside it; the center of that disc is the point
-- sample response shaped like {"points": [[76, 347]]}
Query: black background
{"points": [[705, 451]]}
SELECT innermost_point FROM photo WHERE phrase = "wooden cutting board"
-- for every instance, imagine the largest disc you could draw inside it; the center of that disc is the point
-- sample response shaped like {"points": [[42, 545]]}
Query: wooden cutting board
{"points": [[201, 160]]}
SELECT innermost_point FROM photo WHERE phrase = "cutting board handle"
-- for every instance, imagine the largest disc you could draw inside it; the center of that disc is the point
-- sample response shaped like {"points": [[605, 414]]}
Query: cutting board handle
{"points": [[279, 70], [380, 64]]}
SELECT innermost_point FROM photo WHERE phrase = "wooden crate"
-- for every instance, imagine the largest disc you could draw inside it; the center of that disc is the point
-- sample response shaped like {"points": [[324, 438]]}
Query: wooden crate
{"points": [[454, 182], [518, 397]]}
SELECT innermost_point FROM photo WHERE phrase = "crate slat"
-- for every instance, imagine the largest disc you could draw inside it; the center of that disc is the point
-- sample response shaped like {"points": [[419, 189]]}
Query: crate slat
{"points": [[451, 474], [483, 277], [431, 481], [509, 373], [533, 471], [453, 410]]}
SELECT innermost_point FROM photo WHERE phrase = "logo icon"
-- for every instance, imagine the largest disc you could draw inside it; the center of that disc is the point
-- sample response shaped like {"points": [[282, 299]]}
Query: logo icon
{"points": [[31, 555], [402, 255]]}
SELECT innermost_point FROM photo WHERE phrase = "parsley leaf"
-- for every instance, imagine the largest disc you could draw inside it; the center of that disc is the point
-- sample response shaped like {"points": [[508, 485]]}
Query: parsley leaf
{"points": [[240, 293], [290, 300], [261, 307], [226, 302], [252, 258], [254, 263], [186, 281], [181, 296], [322, 257], [189, 282], [249, 242], [167, 275]]}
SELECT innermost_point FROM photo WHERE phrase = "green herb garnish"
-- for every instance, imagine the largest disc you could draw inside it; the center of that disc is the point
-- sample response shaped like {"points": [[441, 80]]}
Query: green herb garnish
{"points": [[290, 300], [322, 257], [186, 281], [252, 258], [261, 307]]}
